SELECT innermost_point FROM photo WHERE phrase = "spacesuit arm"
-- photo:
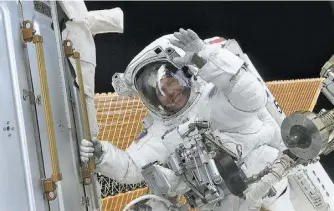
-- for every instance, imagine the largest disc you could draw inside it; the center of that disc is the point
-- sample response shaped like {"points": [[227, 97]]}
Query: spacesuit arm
{"points": [[229, 74], [118, 165]]}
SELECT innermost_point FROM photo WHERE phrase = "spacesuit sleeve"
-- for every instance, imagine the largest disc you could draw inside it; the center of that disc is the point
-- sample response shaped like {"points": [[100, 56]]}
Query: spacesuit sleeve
{"points": [[105, 21], [229, 74], [118, 165]]}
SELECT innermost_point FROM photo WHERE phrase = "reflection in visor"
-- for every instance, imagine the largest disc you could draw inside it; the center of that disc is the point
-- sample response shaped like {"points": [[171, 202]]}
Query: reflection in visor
{"points": [[163, 87]]}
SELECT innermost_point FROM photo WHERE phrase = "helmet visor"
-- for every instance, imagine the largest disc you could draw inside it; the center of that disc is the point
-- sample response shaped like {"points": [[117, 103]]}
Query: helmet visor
{"points": [[163, 87]]}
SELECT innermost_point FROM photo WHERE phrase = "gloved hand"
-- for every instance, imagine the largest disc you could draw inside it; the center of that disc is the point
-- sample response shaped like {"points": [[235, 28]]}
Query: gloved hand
{"points": [[190, 43], [90, 149]]}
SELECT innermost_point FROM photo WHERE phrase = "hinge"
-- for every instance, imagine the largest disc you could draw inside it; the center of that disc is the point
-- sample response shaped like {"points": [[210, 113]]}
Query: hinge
{"points": [[27, 95], [39, 100], [85, 201]]}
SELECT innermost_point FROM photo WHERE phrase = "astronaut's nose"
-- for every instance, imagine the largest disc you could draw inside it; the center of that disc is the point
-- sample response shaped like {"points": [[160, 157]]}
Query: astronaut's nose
{"points": [[170, 92]]}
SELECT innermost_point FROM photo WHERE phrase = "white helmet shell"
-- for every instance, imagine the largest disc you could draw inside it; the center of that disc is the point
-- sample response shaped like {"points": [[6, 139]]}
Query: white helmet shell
{"points": [[144, 56]]}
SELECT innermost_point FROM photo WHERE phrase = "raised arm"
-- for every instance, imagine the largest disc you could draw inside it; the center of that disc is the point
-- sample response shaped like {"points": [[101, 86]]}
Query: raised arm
{"points": [[225, 68]]}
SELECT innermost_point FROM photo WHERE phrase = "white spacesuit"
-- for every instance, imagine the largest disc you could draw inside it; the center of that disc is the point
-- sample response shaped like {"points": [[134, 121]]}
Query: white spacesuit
{"points": [[225, 91]]}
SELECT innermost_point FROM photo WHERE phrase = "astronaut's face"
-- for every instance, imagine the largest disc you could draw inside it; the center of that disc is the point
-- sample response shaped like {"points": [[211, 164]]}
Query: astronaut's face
{"points": [[173, 96], [163, 87]]}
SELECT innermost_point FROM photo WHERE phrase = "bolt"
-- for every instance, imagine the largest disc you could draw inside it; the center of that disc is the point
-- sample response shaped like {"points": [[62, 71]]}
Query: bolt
{"points": [[9, 135], [4, 129]]}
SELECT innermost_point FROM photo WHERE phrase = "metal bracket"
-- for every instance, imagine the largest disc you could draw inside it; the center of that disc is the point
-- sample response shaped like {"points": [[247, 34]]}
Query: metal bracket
{"points": [[49, 189], [86, 175]]}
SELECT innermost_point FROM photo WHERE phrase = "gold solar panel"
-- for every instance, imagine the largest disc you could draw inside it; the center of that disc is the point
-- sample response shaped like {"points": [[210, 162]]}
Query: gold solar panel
{"points": [[118, 201], [296, 95], [120, 118]]}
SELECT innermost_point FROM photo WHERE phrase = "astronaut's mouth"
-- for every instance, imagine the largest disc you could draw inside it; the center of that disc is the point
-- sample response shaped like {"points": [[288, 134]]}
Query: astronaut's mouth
{"points": [[177, 101], [177, 98]]}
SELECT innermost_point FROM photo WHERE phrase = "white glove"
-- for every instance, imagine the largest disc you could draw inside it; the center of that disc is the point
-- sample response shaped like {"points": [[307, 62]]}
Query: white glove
{"points": [[190, 43], [89, 149]]}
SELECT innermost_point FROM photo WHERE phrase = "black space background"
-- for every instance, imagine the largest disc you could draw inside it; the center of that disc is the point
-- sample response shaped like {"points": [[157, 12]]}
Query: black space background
{"points": [[284, 40]]}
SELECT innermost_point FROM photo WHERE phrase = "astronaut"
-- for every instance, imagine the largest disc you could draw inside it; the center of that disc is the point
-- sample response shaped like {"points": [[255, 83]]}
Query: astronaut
{"points": [[223, 88]]}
